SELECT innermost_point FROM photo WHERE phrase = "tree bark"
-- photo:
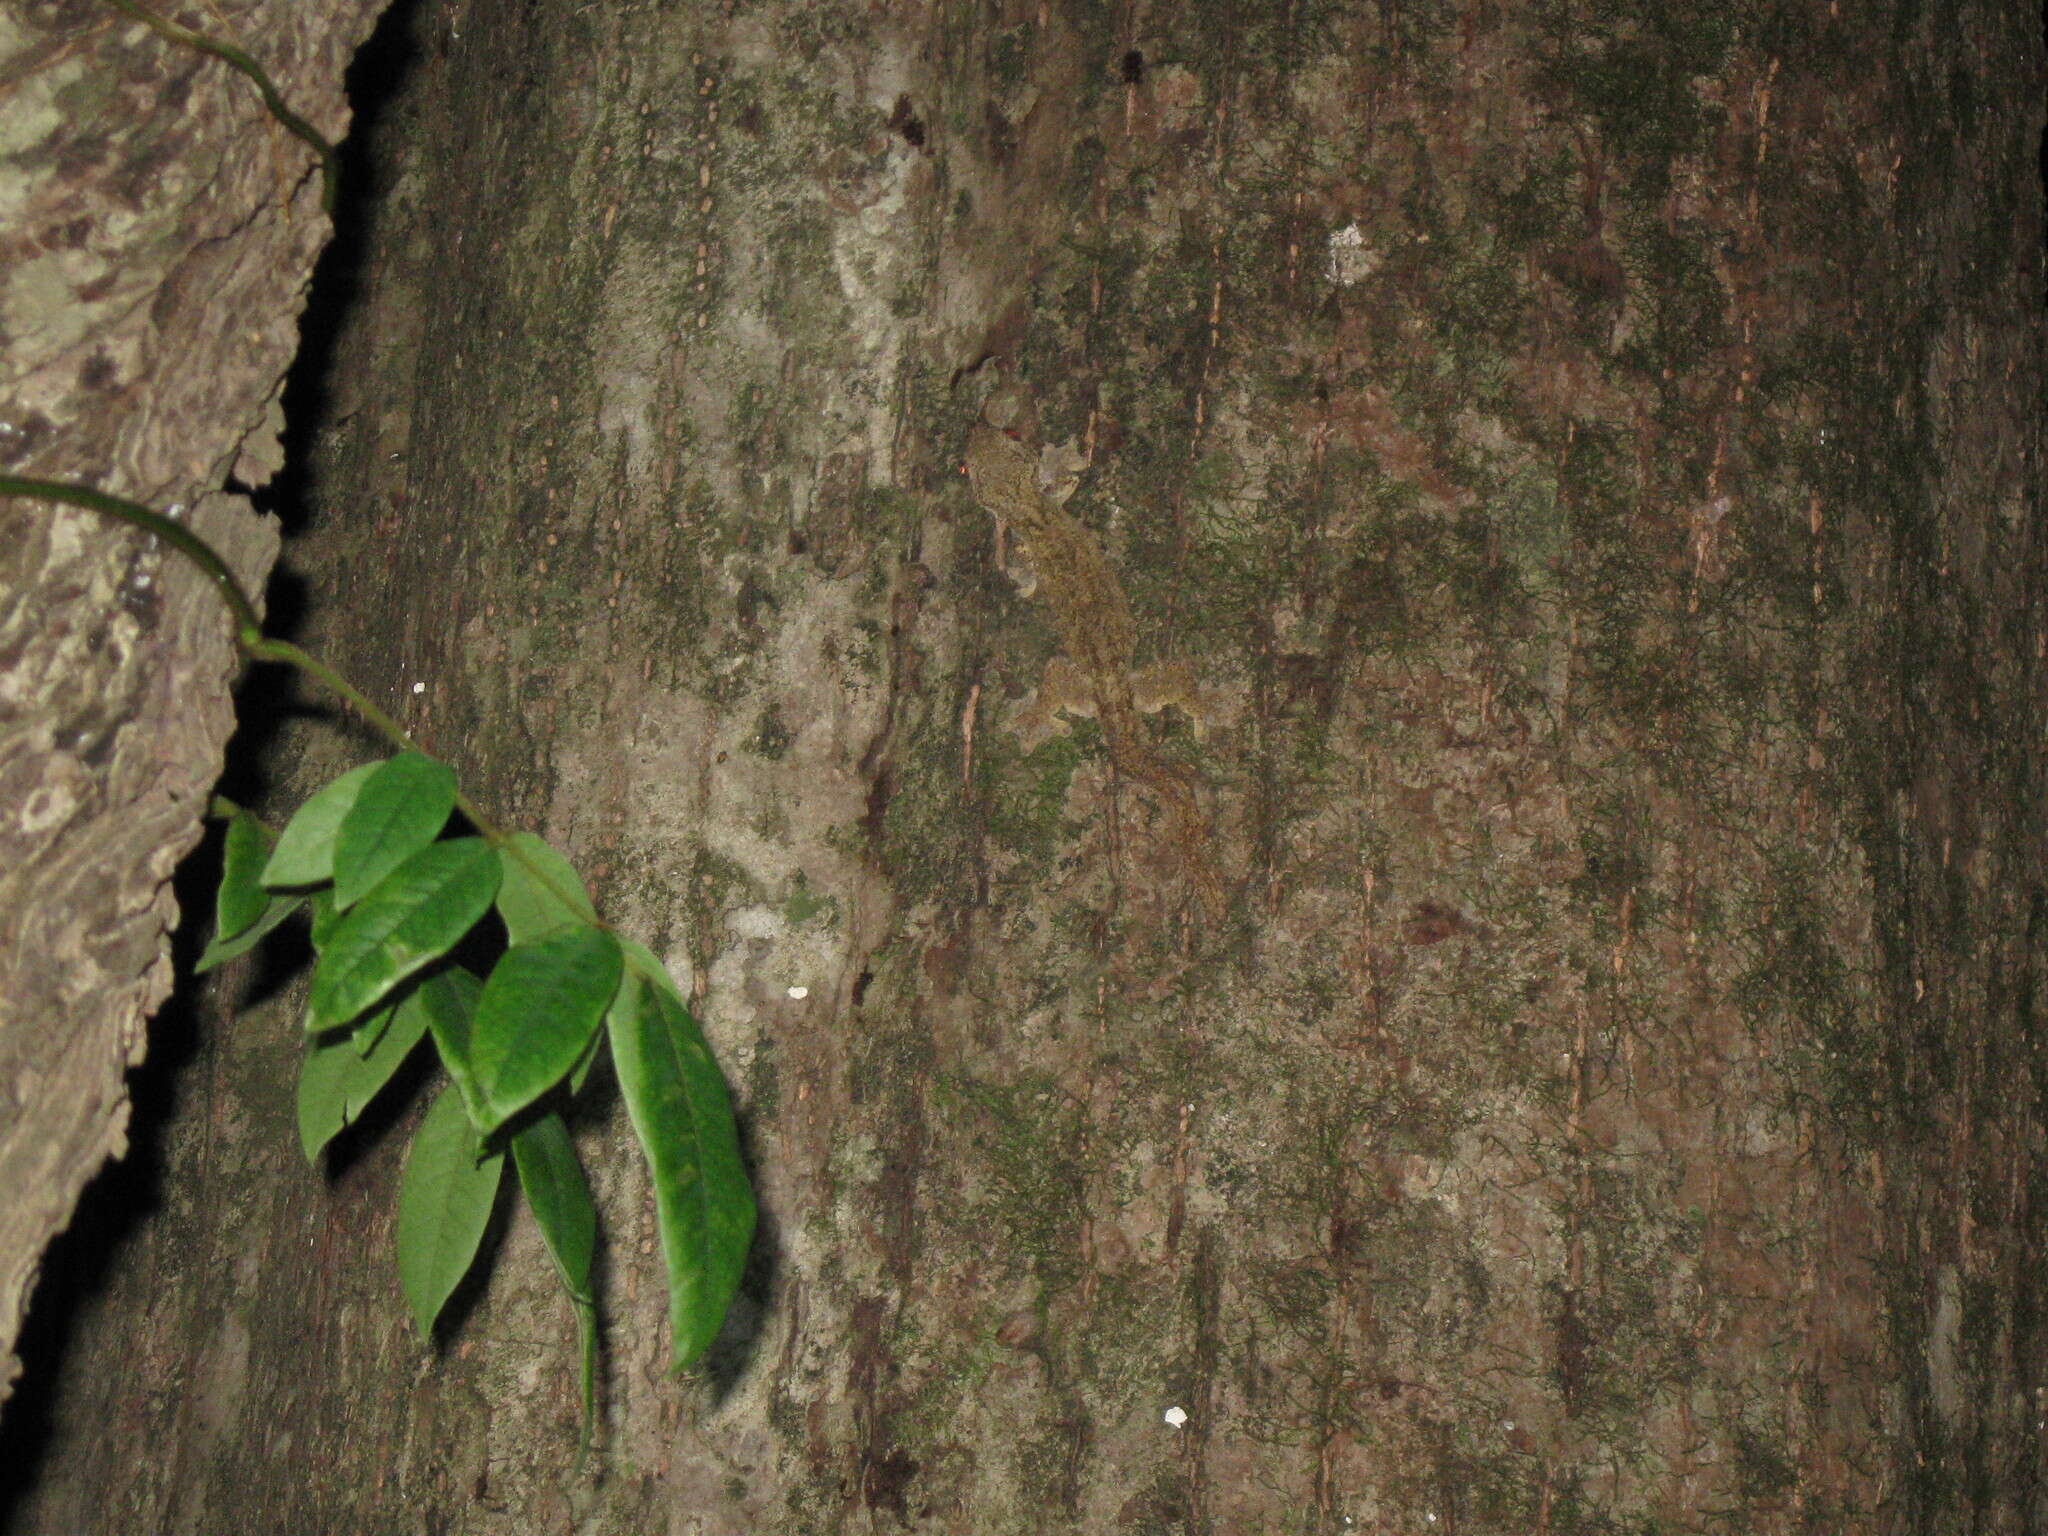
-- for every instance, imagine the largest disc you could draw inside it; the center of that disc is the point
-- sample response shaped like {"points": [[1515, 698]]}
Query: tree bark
{"points": [[1573, 476], [159, 231]]}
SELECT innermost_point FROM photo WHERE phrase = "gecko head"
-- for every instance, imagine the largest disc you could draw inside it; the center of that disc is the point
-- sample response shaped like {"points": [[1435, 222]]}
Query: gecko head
{"points": [[1009, 409]]}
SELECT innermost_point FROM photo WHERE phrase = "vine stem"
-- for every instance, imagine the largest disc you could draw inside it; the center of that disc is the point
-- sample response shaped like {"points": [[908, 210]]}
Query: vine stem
{"points": [[249, 636], [263, 649], [254, 644], [248, 628], [236, 59]]}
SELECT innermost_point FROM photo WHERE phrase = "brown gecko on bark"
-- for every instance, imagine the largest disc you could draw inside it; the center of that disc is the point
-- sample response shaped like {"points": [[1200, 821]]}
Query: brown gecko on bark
{"points": [[1095, 674]]}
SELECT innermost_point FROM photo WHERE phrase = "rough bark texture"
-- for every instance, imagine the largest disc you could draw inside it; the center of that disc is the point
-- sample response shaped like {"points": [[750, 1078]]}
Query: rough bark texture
{"points": [[159, 229], [1574, 470]]}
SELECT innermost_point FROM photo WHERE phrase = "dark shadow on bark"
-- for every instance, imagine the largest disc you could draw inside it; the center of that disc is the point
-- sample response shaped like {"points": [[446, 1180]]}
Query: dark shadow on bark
{"points": [[81, 1261], [374, 81], [733, 1351], [114, 1207]]}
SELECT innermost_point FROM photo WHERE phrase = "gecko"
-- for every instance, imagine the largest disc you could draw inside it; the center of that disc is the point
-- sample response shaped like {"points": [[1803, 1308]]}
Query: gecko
{"points": [[1095, 672]]}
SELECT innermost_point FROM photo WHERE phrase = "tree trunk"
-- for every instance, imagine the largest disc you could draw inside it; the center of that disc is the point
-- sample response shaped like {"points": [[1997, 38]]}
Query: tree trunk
{"points": [[159, 230], [1513, 1004]]}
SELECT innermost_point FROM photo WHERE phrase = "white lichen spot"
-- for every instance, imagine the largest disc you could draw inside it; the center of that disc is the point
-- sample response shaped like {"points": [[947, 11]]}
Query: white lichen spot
{"points": [[50, 805], [798, 994], [756, 922], [1177, 1416], [1349, 260], [419, 688]]}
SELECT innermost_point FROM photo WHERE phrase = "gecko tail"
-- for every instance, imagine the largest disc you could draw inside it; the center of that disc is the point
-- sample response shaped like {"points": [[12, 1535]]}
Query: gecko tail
{"points": [[1190, 832]]}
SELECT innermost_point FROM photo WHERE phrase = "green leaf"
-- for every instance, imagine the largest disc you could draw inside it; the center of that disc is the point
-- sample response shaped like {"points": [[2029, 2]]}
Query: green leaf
{"points": [[414, 916], [242, 899], [325, 916], [399, 810], [243, 911], [541, 1004], [366, 1035], [448, 998], [581, 1073], [552, 1176], [444, 1204], [542, 893], [304, 854], [342, 1073], [677, 1101], [220, 953]]}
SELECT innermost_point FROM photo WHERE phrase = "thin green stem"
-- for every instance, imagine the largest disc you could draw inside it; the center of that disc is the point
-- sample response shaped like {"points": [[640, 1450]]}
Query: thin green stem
{"points": [[248, 628], [235, 58], [249, 637], [586, 1344], [262, 649]]}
